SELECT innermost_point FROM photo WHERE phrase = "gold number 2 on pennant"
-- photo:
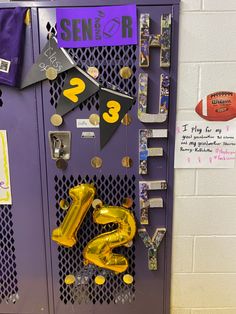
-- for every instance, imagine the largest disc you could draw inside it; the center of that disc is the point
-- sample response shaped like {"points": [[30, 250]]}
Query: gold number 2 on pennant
{"points": [[112, 115], [73, 92]]}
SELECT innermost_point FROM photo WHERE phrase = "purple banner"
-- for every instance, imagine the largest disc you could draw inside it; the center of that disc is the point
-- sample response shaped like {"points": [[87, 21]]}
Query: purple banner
{"points": [[97, 26]]}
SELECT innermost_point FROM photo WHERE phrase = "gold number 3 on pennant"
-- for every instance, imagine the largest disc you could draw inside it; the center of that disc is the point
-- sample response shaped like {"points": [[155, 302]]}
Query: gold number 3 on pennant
{"points": [[113, 113], [71, 93]]}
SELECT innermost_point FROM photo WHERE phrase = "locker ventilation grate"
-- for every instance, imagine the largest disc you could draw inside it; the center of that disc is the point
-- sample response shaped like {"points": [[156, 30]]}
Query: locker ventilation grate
{"points": [[1, 102], [109, 61], [111, 190], [8, 273]]}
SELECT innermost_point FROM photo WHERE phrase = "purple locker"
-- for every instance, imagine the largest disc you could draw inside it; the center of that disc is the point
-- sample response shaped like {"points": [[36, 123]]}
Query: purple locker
{"points": [[23, 271], [42, 274]]}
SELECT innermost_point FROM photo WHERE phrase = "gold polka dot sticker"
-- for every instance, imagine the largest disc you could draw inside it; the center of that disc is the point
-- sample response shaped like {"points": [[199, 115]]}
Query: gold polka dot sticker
{"points": [[51, 73], [64, 204], [56, 120], [128, 279], [93, 71], [127, 202], [96, 162], [127, 162], [97, 203], [126, 120], [69, 279], [94, 119], [126, 72], [100, 280]]}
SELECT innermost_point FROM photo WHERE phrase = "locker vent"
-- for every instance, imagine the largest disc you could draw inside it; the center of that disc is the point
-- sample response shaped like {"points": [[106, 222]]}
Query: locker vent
{"points": [[111, 190], [1, 102], [8, 273], [109, 61]]}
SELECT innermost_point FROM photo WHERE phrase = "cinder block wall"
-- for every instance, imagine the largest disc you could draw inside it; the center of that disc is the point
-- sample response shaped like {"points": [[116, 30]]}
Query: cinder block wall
{"points": [[204, 247]]}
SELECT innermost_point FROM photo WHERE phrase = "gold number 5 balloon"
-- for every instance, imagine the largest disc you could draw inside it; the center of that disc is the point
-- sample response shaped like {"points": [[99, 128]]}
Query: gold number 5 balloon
{"points": [[99, 250], [82, 196]]}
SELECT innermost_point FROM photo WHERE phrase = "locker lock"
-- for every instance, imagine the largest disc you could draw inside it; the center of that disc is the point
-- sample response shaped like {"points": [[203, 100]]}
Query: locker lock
{"points": [[58, 150], [60, 144]]}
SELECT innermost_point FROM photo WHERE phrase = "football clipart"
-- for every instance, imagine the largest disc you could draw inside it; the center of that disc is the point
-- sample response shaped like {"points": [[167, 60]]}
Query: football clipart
{"points": [[111, 27], [219, 106]]}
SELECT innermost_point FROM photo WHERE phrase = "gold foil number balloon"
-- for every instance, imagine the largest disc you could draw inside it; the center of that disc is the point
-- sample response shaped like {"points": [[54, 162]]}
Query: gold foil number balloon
{"points": [[82, 198], [99, 250]]}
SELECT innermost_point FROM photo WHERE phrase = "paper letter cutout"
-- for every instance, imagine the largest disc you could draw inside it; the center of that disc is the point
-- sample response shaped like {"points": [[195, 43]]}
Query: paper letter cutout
{"points": [[145, 202], [162, 114], [148, 40], [152, 244], [144, 151]]}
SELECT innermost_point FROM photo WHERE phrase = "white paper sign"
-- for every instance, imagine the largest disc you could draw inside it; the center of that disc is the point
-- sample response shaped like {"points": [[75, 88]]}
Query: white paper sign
{"points": [[5, 187], [85, 123], [201, 144]]}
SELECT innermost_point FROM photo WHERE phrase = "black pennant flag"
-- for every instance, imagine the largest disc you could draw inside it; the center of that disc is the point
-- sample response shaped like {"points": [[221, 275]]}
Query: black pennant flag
{"points": [[51, 56], [113, 107], [78, 87]]}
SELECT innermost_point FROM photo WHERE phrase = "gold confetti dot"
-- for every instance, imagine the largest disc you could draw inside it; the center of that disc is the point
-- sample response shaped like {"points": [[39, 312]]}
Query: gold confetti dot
{"points": [[126, 72], [127, 202], [127, 162], [94, 119], [97, 203], [64, 204], [93, 71], [56, 120], [100, 280], [96, 162], [69, 279], [51, 73], [128, 279]]}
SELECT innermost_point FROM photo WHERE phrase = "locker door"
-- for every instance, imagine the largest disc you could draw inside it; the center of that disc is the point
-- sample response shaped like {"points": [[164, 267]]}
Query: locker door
{"points": [[23, 282], [150, 289]]}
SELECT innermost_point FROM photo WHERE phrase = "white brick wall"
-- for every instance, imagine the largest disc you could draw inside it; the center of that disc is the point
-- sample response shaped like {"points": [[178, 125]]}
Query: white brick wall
{"points": [[204, 243]]}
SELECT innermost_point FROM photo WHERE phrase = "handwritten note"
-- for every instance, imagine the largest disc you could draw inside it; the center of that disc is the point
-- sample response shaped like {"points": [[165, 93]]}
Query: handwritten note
{"points": [[205, 145], [5, 188]]}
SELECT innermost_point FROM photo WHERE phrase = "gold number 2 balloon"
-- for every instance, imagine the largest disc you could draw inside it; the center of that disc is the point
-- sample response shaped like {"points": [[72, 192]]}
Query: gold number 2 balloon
{"points": [[99, 250], [82, 197]]}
